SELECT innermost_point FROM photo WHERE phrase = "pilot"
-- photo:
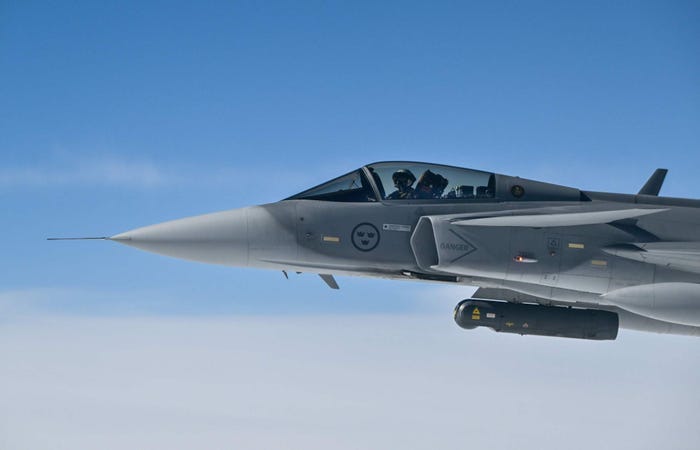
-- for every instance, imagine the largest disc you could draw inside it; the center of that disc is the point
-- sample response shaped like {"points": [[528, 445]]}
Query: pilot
{"points": [[431, 185], [403, 180]]}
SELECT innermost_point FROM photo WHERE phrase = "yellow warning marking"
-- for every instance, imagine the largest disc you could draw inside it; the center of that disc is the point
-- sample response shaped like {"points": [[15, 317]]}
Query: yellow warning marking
{"points": [[476, 314], [576, 245], [331, 239], [599, 262], [509, 324]]}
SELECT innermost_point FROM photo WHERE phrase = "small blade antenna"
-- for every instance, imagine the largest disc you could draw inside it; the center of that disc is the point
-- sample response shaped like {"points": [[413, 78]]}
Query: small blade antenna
{"points": [[330, 281]]}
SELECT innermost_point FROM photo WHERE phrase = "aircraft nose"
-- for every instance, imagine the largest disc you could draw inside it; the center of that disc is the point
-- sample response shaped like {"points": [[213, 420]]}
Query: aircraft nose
{"points": [[218, 238]]}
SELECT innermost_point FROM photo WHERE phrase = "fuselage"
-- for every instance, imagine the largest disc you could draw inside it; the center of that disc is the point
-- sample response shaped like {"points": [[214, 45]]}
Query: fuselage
{"points": [[422, 239]]}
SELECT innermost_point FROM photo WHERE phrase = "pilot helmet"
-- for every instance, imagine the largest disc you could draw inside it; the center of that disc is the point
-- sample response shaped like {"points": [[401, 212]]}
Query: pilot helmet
{"points": [[403, 177]]}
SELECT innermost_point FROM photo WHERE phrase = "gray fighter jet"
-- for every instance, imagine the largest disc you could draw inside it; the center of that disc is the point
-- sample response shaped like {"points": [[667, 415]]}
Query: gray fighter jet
{"points": [[547, 259]]}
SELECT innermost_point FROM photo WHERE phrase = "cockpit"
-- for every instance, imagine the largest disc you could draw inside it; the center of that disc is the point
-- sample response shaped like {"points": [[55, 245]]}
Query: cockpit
{"points": [[401, 181]]}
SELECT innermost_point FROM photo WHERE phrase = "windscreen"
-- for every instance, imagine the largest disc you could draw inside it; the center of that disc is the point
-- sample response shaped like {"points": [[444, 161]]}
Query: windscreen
{"points": [[352, 187]]}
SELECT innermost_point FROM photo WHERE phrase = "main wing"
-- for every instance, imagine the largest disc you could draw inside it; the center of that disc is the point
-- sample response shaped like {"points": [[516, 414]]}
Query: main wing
{"points": [[560, 218], [676, 255]]}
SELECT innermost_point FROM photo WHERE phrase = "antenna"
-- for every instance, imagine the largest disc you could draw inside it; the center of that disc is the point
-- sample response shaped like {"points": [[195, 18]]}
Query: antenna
{"points": [[103, 238]]}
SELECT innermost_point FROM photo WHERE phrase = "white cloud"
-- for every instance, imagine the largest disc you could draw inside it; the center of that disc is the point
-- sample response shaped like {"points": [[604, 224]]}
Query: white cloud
{"points": [[109, 170], [31, 302], [409, 382], [103, 171], [28, 301]]}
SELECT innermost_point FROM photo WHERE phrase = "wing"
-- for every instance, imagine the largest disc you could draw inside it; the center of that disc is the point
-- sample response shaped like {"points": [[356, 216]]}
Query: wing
{"points": [[555, 219], [676, 255]]}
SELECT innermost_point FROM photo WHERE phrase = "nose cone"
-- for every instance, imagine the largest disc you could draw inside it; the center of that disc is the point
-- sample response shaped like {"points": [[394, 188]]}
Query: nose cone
{"points": [[218, 238], [258, 236]]}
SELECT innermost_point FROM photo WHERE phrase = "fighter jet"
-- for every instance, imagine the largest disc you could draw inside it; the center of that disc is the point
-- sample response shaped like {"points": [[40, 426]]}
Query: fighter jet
{"points": [[547, 260]]}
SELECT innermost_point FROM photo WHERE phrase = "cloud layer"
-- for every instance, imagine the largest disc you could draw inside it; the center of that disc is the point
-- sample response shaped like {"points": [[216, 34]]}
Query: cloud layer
{"points": [[368, 381]]}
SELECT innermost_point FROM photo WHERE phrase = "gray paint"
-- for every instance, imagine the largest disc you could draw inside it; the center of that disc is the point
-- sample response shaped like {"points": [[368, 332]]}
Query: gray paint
{"points": [[637, 254]]}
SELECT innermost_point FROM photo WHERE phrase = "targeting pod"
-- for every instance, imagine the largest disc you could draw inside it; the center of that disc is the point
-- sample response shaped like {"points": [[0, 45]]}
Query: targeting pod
{"points": [[538, 320]]}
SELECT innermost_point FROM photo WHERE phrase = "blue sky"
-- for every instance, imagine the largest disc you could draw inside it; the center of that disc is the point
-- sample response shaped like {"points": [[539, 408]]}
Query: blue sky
{"points": [[116, 115]]}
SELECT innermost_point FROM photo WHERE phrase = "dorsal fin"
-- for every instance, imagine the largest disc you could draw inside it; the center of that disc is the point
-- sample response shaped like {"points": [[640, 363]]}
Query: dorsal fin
{"points": [[654, 183]]}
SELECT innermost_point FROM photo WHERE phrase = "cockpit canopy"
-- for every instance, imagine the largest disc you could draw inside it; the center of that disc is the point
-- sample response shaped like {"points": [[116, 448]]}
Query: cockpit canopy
{"points": [[405, 181]]}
